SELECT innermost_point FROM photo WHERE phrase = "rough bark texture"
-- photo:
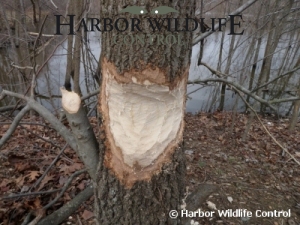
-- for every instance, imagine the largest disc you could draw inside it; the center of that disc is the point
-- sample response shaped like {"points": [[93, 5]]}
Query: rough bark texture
{"points": [[85, 139], [173, 59], [143, 201], [146, 202]]}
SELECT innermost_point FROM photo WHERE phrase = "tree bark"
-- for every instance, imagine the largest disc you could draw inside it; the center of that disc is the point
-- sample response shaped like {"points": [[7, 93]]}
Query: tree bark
{"points": [[142, 103], [296, 105], [70, 63], [274, 35]]}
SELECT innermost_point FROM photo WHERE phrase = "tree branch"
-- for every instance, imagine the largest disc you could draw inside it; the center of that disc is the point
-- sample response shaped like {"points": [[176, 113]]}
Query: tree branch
{"points": [[90, 94], [65, 187], [276, 101], [58, 126], [85, 139], [22, 67], [236, 12], [267, 131], [277, 78], [30, 194], [49, 167], [14, 125], [213, 71], [244, 90], [43, 35], [63, 190], [237, 86], [5, 93], [10, 107], [67, 209], [53, 4]]}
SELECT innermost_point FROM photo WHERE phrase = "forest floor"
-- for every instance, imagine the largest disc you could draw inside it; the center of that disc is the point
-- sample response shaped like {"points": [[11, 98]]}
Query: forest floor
{"points": [[251, 172]]}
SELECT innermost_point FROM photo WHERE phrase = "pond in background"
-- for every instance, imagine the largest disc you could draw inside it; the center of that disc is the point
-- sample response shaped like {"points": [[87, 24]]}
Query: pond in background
{"points": [[52, 76], [198, 101]]}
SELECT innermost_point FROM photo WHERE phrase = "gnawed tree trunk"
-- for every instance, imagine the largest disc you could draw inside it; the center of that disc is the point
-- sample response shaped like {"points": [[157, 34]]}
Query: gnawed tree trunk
{"points": [[142, 102]]}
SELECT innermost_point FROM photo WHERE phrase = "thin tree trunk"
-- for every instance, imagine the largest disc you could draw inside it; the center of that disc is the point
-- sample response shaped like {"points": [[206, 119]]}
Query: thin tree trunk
{"points": [[70, 67], [228, 64], [35, 21], [223, 86], [142, 102], [251, 51], [295, 115], [14, 52], [272, 42], [77, 48]]}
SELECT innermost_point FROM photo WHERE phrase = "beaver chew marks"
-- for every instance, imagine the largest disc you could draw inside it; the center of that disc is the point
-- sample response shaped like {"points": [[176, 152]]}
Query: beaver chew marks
{"points": [[143, 123]]}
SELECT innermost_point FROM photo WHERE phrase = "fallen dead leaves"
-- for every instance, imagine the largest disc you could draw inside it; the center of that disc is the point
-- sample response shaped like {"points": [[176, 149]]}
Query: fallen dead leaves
{"points": [[252, 172], [23, 160]]}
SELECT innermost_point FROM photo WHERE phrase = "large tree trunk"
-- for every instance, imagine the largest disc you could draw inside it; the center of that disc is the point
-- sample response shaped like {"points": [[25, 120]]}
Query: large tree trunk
{"points": [[142, 104]]}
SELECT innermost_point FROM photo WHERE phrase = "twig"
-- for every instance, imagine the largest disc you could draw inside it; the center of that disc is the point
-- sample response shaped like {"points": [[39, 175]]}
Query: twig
{"points": [[14, 125], [79, 221], [27, 219], [10, 107], [40, 213], [194, 91], [30, 194], [276, 101], [246, 91], [277, 78], [237, 86], [43, 35], [89, 147], [53, 4], [266, 129], [217, 73], [27, 123], [68, 209], [92, 109], [5, 93], [40, 137], [58, 126], [63, 190], [33, 82], [236, 12], [37, 73], [90, 95], [65, 187], [49, 167], [22, 67], [50, 56], [40, 33]]}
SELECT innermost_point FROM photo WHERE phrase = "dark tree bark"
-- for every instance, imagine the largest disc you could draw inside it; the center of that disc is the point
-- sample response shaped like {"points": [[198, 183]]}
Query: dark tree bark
{"points": [[142, 103]]}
